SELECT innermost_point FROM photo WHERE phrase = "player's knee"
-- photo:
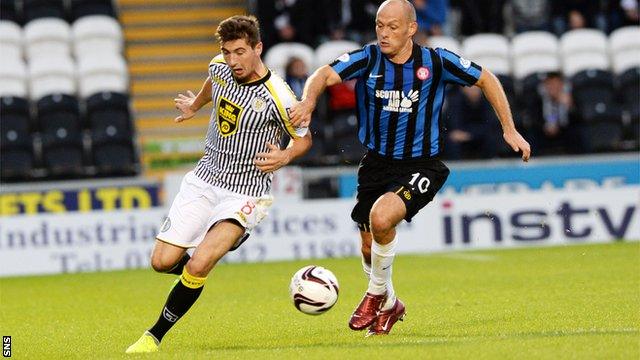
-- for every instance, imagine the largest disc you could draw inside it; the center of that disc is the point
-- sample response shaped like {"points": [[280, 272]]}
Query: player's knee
{"points": [[380, 223], [199, 267], [159, 264]]}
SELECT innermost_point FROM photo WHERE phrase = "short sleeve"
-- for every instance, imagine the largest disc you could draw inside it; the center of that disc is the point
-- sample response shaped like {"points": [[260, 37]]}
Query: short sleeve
{"points": [[353, 64], [284, 99], [458, 70]]}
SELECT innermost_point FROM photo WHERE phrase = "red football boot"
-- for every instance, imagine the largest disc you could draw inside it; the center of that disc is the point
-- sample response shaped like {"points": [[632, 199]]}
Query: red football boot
{"points": [[387, 318], [365, 314]]}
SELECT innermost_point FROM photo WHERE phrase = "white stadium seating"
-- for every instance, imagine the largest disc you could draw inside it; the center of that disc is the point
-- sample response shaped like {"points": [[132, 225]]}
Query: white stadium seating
{"points": [[489, 50], [47, 37], [445, 42], [51, 75], [96, 34], [331, 50], [571, 65], [278, 56], [534, 52], [13, 77], [102, 73], [624, 47], [583, 49], [10, 39]]}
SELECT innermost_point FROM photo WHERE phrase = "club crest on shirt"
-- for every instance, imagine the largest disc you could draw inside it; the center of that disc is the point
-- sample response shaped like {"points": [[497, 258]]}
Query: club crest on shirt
{"points": [[228, 117], [423, 73], [259, 104]]}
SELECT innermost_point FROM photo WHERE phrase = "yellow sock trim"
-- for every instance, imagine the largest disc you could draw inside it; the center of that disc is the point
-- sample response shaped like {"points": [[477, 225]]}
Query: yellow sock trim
{"points": [[191, 281]]}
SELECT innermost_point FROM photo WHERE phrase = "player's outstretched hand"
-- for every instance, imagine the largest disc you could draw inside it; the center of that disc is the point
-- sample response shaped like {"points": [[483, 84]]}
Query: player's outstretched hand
{"points": [[518, 143], [183, 103], [300, 113], [273, 160]]}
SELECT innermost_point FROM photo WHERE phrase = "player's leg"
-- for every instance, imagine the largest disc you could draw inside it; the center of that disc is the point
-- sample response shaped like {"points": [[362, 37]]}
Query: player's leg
{"points": [[184, 294], [365, 249], [168, 258], [386, 214], [408, 195]]}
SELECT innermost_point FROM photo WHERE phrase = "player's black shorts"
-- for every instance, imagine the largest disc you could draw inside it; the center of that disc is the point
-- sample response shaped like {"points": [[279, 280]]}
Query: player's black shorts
{"points": [[415, 181]]}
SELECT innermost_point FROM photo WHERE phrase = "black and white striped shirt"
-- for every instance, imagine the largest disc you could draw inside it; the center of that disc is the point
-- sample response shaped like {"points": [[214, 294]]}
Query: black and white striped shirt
{"points": [[244, 118]]}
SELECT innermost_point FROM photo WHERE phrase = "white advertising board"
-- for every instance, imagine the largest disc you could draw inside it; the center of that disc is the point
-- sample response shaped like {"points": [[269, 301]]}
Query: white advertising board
{"points": [[96, 241]]}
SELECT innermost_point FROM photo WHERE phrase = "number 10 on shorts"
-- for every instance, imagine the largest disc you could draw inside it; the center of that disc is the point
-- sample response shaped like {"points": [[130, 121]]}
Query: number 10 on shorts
{"points": [[423, 183]]}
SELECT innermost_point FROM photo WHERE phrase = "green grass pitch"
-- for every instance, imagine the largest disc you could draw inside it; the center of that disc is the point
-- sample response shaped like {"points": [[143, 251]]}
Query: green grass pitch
{"points": [[579, 302]]}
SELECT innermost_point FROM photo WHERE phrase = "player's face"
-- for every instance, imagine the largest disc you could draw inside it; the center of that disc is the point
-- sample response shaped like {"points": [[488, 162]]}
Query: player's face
{"points": [[242, 58], [393, 29]]}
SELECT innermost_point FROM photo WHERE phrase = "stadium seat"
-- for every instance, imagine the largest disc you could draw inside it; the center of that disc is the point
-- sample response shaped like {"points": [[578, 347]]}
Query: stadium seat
{"points": [[595, 100], [330, 50], [445, 42], [624, 46], [13, 77], [50, 76], [535, 64], [47, 38], [278, 56], [534, 43], [489, 50], [60, 126], [583, 41], [109, 117], [102, 73], [576, 63], [96, 34], [16, 142], [36, 9], [583, 49], [81, 8], [111, 133], [628, 84], [10, 39], [590, 89], [534, 52]]}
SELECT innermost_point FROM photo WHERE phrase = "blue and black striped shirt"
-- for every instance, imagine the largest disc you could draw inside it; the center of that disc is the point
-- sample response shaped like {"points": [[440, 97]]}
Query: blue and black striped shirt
{"points": [[399, 105]]}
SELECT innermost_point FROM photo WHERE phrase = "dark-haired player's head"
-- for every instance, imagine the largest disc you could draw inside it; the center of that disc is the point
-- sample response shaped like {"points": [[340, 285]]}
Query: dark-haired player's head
{"points": [[239, 38]]}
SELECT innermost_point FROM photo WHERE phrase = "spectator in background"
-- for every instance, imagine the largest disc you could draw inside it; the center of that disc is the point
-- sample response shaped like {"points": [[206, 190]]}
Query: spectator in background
{"points": [[577, 14], [530, 15], [296, 74], [472, 127], [431, 15], [480, 16], [302, 21], [557, 113], [363, 18], [631, 12]]}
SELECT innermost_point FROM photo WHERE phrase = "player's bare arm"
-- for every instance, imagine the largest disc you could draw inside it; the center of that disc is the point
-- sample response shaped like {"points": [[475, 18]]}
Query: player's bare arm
{"points": [[190, 104], [316, 83], [276, 158], [494, 92]]}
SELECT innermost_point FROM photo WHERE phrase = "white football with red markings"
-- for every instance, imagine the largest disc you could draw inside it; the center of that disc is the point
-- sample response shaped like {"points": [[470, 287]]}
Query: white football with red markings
{"points": [[313, 290]]}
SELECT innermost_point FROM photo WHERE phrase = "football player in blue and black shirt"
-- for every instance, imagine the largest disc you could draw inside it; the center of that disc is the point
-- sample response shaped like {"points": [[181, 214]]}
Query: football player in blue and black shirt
{"points": [[400, 90]]}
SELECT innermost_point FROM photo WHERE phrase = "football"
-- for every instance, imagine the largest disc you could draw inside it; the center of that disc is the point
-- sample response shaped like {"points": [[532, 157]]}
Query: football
{"points": [[314, 290]]}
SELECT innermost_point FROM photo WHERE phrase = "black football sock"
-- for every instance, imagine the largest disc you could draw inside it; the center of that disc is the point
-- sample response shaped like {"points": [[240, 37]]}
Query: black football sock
{"points": [[177, 270], [182, 296]]}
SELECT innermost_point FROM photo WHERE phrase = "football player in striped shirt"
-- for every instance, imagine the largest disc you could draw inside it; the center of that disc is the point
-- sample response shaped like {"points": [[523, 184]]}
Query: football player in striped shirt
{"points": [[227, 194], [400, 90]]}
